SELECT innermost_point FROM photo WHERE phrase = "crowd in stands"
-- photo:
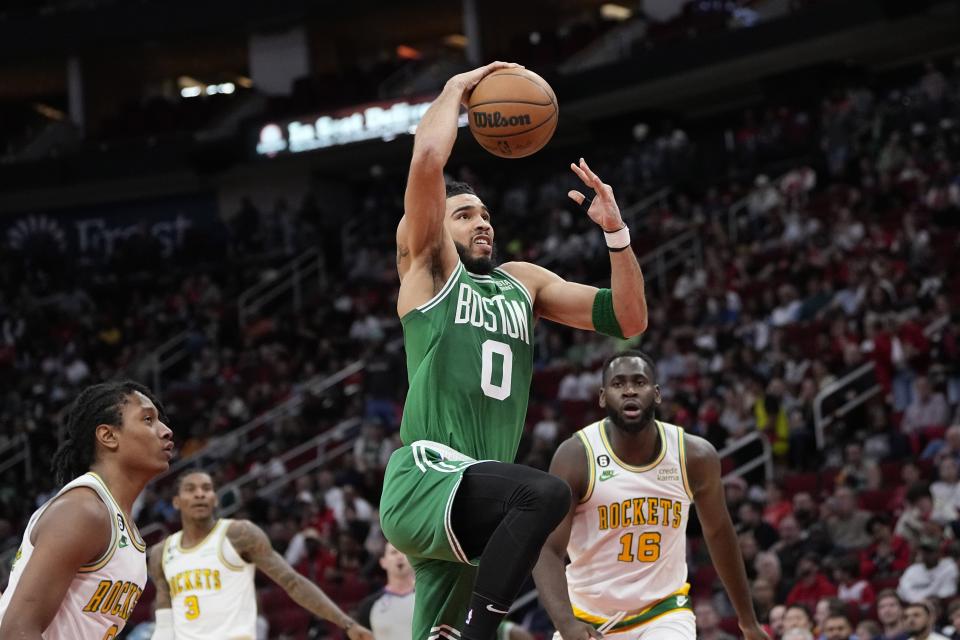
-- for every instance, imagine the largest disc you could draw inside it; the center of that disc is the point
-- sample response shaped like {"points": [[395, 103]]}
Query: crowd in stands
{"points": [[847, 258]]}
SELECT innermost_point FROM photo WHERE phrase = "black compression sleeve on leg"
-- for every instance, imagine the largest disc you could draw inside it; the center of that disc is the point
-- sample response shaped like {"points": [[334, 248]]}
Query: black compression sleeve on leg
{"points": [[504, 513]]}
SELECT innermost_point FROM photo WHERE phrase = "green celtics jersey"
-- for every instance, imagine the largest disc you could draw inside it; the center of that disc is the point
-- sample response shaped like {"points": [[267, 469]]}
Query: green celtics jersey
{"points": [[469, 362]]}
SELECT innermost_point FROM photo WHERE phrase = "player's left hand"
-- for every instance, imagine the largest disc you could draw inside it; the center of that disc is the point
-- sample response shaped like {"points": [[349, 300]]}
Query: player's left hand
{"points": [[753, 632], [603, 210], [359, 632]]}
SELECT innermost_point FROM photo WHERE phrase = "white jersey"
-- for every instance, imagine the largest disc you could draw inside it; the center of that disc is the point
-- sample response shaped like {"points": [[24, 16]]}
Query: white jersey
{"points": [[628, 538], [211, 588], [104, 592], [388, 615]]}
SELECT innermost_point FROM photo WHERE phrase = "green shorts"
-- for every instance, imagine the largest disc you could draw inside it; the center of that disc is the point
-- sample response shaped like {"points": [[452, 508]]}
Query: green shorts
{"points": [[418, 491]]}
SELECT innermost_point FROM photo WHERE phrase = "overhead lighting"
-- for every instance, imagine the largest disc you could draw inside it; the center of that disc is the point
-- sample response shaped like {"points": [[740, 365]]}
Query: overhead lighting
{"points": [[457, 40], [245, 82], [187, 81], [49, 112], [405, 52], [616, 12], [191, 92]]}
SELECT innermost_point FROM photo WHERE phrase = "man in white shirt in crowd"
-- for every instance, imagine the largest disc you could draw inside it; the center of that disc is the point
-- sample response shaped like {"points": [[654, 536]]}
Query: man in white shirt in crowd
{"points": [[932, 577]]}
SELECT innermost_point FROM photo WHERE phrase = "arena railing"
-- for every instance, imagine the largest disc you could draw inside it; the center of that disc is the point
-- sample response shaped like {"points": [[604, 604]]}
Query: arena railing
{"points": [[291, 278], [843, 385], [322, 457], [15, 452], [239, 438]]}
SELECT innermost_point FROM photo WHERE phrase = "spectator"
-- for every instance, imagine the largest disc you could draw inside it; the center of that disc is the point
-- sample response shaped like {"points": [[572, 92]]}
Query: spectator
{"points": [[547, 428], [776, 507], [767, 566], [764, 597], [851, 587], [735, 491], [916, 521], [857, 471], [776, 620], [932, 576], [946, 492], [868, 630], [890, 615], [887, 557], [751, 520], [837, 627], [919, 622], [947, 446], [825, 608], [927, 409], [791, 546], [811, 584], [909, 476], [952, 630], [797, 616], [847, 526], [797, 634], [708, 622]]}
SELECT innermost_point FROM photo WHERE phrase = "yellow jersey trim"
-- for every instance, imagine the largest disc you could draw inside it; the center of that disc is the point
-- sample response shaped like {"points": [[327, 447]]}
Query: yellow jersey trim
{"points": [[183, 549], [591, 465], [592, 619], [135, 538], [107, 555], [223, 558], [640, 624], [683, 463], [629, 467]]}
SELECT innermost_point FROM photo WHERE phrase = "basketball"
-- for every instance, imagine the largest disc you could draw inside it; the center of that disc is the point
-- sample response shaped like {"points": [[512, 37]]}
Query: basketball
{"points": [[513, 113]]}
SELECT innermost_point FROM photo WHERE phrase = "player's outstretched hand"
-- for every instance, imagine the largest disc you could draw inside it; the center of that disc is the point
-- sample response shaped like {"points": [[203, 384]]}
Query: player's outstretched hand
{"points": [[753, 632], [466, 81], [359, 632], [579, 631], [603, 210]]}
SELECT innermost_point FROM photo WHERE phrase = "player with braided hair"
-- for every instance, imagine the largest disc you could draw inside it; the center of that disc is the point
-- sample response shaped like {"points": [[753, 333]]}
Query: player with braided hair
{"points": [[81, 566]]}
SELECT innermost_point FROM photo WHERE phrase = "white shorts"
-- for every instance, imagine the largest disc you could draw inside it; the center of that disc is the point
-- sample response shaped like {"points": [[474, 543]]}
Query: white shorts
{"points": [[676, 625]]}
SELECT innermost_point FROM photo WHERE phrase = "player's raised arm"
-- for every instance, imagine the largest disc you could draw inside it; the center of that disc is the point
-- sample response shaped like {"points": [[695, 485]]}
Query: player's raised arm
{"points": [[421, 229], [703, 470], [57, 556], [570, 464], [621, 310], [253, 546], [164, 613]]}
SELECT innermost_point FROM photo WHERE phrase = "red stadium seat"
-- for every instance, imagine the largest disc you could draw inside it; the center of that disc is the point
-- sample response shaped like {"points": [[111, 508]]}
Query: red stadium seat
{"points": [[875, 501]]}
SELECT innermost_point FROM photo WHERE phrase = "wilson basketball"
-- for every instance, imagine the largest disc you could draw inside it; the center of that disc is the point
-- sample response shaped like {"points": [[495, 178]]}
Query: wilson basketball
{"points": [[513, 113]]}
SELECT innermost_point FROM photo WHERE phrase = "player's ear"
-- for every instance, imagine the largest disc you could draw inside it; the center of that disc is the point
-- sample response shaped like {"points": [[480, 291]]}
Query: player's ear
{"points": [[106, 436], [656, 395], [176, 502], [603, 399]]}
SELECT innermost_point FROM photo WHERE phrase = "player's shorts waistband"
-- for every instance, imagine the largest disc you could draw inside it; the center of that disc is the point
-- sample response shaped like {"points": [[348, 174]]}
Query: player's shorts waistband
{"points": [[678, 601], [448, 453]]}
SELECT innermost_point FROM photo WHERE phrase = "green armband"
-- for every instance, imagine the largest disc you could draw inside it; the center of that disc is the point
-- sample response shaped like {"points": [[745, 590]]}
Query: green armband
{"points": [[604, 318]]}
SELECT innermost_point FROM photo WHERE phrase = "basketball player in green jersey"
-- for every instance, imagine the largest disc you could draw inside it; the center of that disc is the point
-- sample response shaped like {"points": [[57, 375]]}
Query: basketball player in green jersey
{"points": [[472, 523]]}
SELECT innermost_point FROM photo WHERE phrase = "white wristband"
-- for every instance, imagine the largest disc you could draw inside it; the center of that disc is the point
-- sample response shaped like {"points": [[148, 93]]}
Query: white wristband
{"points": [[164, 627], [618, 240]]}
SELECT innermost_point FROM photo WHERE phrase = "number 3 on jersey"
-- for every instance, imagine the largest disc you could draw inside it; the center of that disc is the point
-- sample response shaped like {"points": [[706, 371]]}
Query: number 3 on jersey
{"points": [[491, 389], [193, 607]]}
